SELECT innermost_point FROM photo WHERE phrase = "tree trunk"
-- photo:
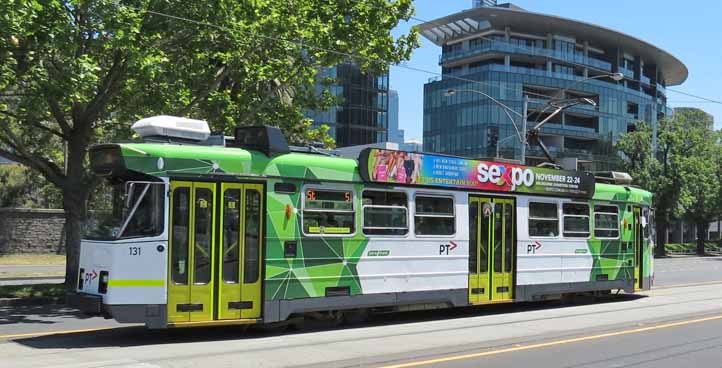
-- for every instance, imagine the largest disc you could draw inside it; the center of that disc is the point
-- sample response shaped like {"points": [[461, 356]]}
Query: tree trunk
{"points": [[701, 237], [74, 203], [72, 247], [75, 197]]}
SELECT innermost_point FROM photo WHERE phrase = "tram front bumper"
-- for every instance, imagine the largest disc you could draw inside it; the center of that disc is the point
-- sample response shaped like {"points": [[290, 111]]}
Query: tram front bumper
{"points": [[86, 303]]}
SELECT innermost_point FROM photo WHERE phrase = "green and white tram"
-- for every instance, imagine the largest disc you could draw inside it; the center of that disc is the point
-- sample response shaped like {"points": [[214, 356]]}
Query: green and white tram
{"points": [[204, 230]]}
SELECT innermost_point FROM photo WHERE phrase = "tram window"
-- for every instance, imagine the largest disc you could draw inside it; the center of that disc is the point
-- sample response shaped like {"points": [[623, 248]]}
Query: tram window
{"points": [[231, 228], [434, 216], [645, 223], [328, 212], [576, 220], [385, 213], [606, 221], [543, 219], [179, 240], [202, 236], [251, 241], [148, 218]]}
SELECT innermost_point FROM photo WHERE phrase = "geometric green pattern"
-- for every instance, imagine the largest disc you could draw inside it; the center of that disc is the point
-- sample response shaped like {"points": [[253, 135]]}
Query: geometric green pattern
{"points": [[319, 263]]}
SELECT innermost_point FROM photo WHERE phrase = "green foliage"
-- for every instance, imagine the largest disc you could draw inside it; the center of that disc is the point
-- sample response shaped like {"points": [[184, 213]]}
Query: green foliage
{"points": [[21, 187], [684, 173]]}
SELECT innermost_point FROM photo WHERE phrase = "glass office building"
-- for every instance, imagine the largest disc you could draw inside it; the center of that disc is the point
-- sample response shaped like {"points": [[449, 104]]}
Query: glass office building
{"points": [[507, 52], [395, 134], [361, 117]]}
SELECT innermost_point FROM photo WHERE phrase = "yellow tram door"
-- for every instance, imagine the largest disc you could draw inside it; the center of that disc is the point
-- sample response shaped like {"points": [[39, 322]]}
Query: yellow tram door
{"points": [[478, 250], [638, 249], [502, 235], [240, 246], [191, 253], [491, 244]]}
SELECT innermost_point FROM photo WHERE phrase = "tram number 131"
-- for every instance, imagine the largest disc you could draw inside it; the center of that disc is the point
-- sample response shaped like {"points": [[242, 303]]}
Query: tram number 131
{"points": [[134, 251]]}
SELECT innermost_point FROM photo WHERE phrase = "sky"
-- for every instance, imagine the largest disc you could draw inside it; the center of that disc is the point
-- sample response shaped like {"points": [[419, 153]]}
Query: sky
{"points": [[690, 30]]}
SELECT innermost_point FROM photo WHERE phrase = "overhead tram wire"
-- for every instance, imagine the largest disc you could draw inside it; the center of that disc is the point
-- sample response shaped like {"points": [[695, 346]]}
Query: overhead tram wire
{"points": [[705, 99], [402, 65]]}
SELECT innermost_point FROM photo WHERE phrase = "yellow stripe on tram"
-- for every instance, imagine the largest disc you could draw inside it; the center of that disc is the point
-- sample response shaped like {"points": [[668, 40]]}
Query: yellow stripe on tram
{"points": [[136, 283]]}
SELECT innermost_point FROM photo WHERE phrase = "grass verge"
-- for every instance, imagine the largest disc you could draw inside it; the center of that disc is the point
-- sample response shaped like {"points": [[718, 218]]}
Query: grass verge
{"points": [[32, 291]]}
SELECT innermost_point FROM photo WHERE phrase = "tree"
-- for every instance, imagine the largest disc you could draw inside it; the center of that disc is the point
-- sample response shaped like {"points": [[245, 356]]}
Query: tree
{"points": [[75, 71], [699, 166], [677, 173]]}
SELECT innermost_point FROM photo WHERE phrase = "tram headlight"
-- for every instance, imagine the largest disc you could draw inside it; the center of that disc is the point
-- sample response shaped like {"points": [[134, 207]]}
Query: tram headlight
{"points": [[103, 284]]}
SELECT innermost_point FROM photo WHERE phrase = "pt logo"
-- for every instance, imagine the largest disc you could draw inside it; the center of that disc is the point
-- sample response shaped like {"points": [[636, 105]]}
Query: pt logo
{"points": [[90, 276], [445, 248], [532, 248]]}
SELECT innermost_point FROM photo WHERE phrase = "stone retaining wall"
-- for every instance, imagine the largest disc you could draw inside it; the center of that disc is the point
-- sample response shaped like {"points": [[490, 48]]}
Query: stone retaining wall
{"points": [[25, 230]]}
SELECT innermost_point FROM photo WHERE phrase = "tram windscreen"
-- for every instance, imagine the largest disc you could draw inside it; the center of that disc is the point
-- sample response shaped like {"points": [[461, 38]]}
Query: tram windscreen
{"points": [[125, 210]]}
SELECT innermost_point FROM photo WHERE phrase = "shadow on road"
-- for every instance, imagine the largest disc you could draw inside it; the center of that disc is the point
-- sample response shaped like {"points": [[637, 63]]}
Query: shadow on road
{"points": [[139, 336], [44, 314]]}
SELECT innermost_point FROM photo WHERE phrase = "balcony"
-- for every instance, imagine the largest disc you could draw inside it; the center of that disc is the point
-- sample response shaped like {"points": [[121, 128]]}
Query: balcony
{"points": [[570, 131], [580, 154], [507, 48], [558, 152], [543, 73]]}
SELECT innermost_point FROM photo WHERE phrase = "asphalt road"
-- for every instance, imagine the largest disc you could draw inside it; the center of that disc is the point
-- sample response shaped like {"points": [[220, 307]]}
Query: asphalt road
{"points": [[668, 327], [683, 345], [687, 270]]}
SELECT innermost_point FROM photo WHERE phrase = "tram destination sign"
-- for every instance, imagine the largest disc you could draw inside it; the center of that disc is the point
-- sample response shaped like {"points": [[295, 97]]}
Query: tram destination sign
{"points": [[409, 168]]}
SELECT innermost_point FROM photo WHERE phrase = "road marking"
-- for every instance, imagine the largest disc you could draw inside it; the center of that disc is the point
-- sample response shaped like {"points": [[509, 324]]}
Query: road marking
{"points": [[552, 343], [63, 332]]}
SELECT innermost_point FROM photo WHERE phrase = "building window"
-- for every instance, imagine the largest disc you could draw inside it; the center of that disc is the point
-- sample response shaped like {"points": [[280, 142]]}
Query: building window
{"points": [[576, 220], [328, 212], [543, 219], [385, 213], [434, 215], [606, 221]]}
